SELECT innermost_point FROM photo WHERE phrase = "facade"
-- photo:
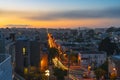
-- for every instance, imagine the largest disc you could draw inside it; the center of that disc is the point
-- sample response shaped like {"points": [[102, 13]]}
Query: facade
{"points": [[5, 67], [2, 43], [92, 58], [22, 56], [27, 56], [35, 54], [114, 65]]}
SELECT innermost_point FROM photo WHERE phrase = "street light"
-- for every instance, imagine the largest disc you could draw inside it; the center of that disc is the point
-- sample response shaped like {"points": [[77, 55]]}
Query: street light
{"points": [[114, 69], [47, 73], [89, 68]]}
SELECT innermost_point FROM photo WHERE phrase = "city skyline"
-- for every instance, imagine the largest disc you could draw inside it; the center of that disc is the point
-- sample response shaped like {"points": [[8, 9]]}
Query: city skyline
{"points": [[60, 14]]}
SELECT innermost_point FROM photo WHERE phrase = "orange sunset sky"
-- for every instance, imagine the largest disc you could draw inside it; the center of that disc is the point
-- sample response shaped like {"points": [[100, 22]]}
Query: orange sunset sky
{"points": [[60, 13]]}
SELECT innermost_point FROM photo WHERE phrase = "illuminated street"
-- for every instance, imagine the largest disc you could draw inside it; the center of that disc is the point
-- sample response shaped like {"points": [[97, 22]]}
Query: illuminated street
{"points": [[74, 71]]}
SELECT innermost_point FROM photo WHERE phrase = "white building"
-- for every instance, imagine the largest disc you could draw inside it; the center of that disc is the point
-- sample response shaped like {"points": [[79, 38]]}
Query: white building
{"points": [[92, 58], [5, 67]]}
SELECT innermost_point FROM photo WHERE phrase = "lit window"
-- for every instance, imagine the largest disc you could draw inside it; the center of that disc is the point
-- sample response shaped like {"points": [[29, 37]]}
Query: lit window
{"points": [[24, 51], [25, 70]]}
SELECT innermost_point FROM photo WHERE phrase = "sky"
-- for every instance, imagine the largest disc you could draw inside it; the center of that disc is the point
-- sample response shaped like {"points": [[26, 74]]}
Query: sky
{"points": [[60, 13]]}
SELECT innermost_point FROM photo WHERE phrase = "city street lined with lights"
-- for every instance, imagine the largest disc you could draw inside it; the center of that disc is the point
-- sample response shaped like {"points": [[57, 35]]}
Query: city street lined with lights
{"points": [[74, 73]]}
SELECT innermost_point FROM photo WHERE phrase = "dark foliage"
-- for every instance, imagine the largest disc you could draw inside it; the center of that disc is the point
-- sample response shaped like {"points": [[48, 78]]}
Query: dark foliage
{"points": [[53, 52], [59, 73], [108, 46]]}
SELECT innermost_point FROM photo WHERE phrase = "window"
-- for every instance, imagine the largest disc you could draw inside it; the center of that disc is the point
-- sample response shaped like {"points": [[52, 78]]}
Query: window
{"points": [[24, 50], [25, 70]]}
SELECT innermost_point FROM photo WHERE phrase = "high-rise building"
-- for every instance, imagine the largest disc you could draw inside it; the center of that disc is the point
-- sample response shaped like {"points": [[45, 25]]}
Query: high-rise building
{"points": [[22, 56], [5, 67], [27, 55]]}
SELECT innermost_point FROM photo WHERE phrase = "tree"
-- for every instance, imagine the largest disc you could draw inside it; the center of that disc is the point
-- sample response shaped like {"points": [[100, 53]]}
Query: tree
{"points": [[73, 57], [59, 73], [107, 46], [111, 29], [53, 52], [104, 68], [99, 73]]}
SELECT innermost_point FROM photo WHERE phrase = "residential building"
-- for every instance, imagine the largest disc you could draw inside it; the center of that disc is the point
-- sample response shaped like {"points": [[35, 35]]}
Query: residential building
{"points": [[114, 65], [92, 58], [27, 55], [5, 67], [22, 56]]}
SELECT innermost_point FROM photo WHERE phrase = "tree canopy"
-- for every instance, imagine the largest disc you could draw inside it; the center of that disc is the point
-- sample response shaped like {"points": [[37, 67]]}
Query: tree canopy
{"points": [[59, 73], [53, 52], [107, 46]]}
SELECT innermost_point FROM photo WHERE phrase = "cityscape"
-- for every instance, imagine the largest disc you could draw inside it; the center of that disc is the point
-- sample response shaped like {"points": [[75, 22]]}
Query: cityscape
{"points": [[59, 40]]}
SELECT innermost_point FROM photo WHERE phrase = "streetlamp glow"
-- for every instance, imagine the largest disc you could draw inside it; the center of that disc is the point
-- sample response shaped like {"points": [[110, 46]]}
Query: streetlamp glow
{"points": [[47, 73], [89, 67], [114, 69]]}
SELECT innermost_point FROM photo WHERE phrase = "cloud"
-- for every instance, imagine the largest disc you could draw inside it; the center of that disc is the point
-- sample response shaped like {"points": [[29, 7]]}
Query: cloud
{"points": [[18, 13], [78, 14], [58, 15]]}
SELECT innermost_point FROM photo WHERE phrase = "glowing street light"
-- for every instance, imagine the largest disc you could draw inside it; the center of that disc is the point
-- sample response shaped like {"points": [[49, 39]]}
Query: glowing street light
{"points": [[114, 69], [47, 73], [89, 67]]}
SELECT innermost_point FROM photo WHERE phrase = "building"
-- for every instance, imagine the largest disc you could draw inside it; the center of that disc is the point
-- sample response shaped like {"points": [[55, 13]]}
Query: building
{"points": [[2, 43], [27, 55], [35, 55], [12, 36], [22, 56], [92, 58], [5, 67], [114, 65]]}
